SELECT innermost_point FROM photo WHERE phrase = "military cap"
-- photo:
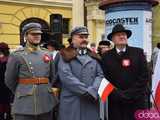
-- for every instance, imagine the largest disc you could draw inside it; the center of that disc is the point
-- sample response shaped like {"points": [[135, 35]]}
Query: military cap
{"points": [[79, 30], [32, 28]]}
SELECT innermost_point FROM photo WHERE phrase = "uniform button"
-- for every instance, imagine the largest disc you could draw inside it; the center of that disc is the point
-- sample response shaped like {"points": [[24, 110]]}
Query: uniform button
{"points": [[31, 68], [30, 63]]}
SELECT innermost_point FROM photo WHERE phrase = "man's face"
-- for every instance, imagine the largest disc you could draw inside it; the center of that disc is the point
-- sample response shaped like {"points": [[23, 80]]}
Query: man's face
{"points": [[120, 38], [50, 48], [1, 55], [80, 41], [104, 48], [33, 38]]}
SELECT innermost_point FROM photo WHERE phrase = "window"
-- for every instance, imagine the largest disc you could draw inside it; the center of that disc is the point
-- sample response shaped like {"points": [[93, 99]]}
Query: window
{"points": [[65, 26]]}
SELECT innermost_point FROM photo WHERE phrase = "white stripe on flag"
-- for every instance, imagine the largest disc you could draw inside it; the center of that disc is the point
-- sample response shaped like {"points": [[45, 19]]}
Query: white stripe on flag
{"points": [[102, 87], [105, 89]]}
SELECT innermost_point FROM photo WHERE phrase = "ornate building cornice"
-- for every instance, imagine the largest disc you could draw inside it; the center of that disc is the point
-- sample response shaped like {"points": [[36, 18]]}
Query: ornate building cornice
{"points": [[93, 12], [55, 3]]}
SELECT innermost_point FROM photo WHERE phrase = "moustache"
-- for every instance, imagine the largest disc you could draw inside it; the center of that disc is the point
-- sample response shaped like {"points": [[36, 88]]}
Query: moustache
{"points": [[84, 43]]}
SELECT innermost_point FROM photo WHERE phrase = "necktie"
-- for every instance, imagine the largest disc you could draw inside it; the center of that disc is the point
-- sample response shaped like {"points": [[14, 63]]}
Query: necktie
{"points": [[121, 53]]}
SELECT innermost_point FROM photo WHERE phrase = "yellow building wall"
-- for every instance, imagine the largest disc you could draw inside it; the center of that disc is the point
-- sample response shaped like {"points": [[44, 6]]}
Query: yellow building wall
{"points": [[12, 15], [95, 21], [156, 25], [100, 30], [96, 30]]}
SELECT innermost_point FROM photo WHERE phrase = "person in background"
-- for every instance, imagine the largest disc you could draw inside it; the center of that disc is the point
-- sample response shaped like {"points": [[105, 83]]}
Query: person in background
{"points": [[93, 47], [126, 68], [103, 47], [53, 47], [5, 94]]}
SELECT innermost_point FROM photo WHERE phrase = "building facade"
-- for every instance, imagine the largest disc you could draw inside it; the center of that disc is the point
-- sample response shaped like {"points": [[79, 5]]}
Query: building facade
{"points": [[96, 22], [95, 19], [15, 14]]}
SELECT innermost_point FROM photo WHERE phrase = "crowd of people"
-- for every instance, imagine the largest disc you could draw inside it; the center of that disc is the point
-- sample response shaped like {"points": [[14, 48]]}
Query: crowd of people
{"points": [[61, 83]]}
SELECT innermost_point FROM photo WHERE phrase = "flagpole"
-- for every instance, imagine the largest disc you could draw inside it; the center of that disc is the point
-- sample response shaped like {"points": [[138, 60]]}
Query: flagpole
{"points": [[106, 110], [101, 109]]}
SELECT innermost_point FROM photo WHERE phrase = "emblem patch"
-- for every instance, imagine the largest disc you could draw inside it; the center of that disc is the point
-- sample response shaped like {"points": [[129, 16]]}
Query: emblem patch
{"points": [[46, 58], [126, 62]]}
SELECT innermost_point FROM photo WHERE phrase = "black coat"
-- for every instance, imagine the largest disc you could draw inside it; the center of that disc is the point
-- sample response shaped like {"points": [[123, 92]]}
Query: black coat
{"points": [[129, 74], [5, 94]]}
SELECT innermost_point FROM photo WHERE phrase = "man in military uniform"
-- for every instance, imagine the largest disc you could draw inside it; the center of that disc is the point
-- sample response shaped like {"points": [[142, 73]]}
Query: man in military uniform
{"points": [[29, 75], [80, 76]]}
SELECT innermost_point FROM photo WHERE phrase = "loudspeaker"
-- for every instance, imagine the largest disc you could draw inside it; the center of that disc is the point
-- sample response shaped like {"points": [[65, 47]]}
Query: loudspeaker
{"points": [[56, 23]]}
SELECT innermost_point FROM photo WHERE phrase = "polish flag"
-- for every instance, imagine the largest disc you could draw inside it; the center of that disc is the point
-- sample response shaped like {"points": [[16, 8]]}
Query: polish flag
{"points": [[105, 89], [156, 81]]}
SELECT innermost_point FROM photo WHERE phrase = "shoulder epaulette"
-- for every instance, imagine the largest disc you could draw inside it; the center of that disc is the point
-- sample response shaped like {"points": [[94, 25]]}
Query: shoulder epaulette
{"points": [[19, 51]]}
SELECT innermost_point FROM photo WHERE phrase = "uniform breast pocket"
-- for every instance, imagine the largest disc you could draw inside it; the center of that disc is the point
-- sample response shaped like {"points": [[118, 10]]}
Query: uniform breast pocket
{"points": [[42, 67], [23, 92], [23, 67]]}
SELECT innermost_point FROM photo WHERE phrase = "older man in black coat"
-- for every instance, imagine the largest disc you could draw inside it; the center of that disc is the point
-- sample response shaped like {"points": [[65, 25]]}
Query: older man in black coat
{"points": [[126, 68]]}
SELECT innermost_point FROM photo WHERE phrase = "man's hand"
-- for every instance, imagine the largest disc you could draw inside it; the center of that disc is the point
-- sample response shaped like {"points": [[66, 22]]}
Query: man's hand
{"points": [[120, 96], [89, 97], [56, 91]]}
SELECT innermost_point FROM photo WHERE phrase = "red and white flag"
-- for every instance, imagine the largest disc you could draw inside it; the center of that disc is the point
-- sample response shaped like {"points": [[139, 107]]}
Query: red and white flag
{"points": [[156, 81], [105, 89]]}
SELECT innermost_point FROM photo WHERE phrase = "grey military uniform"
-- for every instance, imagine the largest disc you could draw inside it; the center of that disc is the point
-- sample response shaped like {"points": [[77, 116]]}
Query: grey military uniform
{"points": [[79, 76], [31, 99]]}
